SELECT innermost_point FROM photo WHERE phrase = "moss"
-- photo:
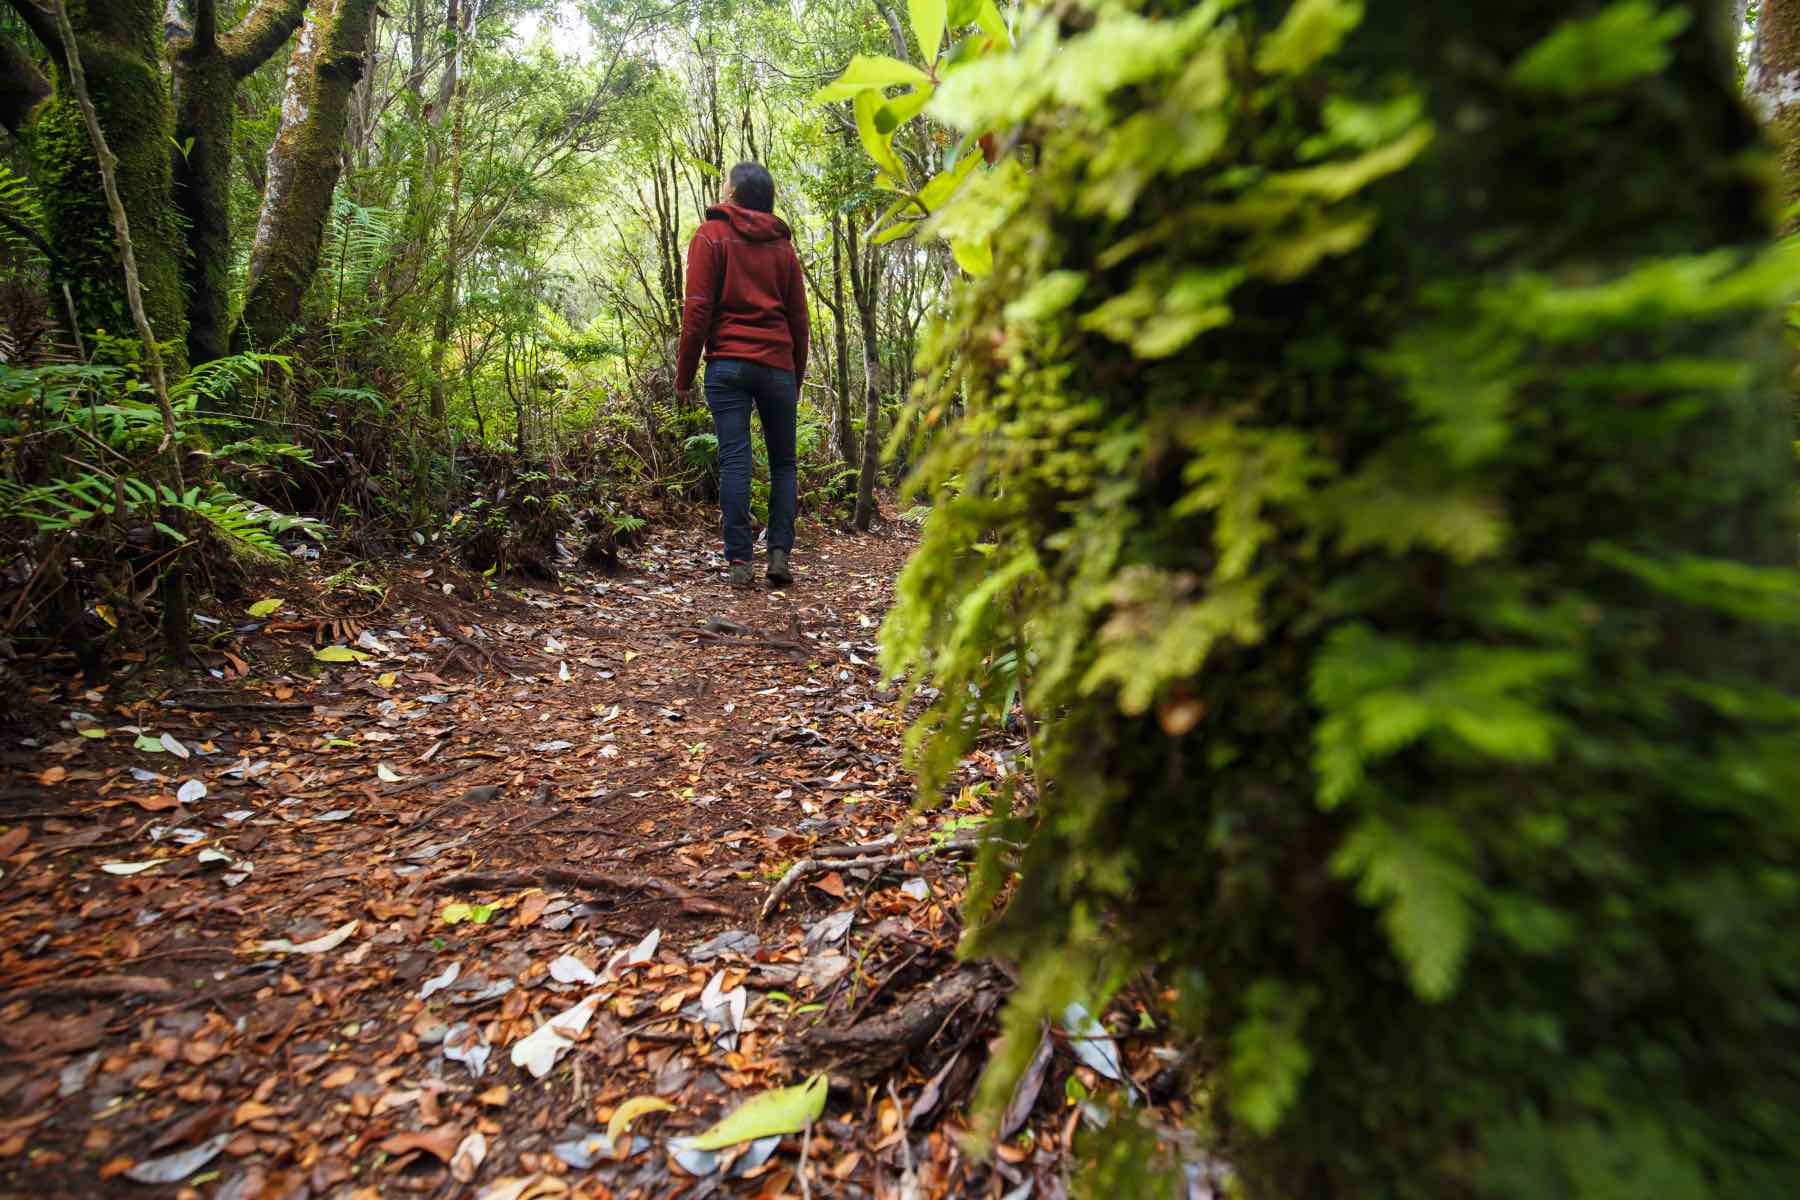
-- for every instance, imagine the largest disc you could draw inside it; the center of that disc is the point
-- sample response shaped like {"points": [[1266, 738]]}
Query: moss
{"points": [[120, 46], [305, 164], [1385, 544]]}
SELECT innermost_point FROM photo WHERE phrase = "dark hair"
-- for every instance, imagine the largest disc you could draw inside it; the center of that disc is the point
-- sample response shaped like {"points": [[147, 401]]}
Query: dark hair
{"points": [[753, 187]]}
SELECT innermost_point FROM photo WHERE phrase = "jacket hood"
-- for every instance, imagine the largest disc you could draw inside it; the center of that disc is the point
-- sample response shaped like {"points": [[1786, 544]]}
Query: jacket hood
{"points": [[750, 224]]}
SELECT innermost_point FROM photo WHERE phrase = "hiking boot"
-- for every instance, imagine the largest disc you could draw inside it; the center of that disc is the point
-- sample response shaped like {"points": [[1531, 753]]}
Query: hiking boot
{"points": [[740, 575], [779, 574]]}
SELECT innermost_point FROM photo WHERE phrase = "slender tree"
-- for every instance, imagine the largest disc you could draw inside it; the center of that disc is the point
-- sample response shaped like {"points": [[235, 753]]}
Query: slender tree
{"points": [[207, 68], [865, 275], [304, 165]]}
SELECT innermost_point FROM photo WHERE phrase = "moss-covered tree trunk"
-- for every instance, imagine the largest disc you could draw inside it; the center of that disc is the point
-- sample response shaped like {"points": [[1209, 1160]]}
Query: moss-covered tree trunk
{"points": [[304, 165], [22, 85], [1772, 84], [1374, 419], [120, 43], [207, 67]]}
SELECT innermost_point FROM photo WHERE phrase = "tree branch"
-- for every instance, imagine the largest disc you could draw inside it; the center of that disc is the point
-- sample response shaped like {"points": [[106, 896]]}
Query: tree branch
{"points": [[263, 31], [22, 85]]}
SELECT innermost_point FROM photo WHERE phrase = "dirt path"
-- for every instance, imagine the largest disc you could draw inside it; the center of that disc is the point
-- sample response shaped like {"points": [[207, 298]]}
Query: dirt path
{"points": [[513, 805]]}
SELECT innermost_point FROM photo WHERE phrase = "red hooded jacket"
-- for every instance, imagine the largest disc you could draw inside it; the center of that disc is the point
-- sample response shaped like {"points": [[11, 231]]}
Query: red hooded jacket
{"points": [[746, 294]]}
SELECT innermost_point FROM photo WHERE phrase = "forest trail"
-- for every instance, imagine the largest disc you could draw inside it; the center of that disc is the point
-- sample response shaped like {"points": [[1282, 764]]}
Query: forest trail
{"points": [[613, 772]]}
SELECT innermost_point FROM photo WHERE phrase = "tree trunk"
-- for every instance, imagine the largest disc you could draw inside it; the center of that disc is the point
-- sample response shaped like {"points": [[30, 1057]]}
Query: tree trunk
{"points": [[446, 305], [1772, 84], [846, 438], [206, 72], [120, 44], [304, 164], [22, 85], [864, 273]]}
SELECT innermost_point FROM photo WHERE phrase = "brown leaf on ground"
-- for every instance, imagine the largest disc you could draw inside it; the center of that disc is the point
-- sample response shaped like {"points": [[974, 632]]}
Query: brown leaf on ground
{"points": [[440, 1143]]}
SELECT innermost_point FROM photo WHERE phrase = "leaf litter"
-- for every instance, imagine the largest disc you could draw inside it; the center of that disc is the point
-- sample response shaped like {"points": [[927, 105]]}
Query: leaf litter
{"points": [[610, 833]]}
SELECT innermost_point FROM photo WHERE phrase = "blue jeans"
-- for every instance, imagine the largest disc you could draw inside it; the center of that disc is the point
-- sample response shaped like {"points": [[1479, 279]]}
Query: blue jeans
{"points": [[733, 385]]}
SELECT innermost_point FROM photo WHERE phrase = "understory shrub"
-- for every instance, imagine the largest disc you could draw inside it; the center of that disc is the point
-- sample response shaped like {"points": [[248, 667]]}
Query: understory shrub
{"points": [[1374, 429]]}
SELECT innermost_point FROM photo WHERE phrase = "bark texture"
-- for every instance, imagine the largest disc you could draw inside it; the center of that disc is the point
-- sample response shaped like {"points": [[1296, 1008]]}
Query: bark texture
{"points": [[120, 47], [1772, 84], [206, 71], [304, 164], [22, 85]]}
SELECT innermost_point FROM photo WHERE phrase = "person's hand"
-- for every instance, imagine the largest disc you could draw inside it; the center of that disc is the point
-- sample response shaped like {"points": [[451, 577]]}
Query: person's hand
{"points": [[685, 394]]}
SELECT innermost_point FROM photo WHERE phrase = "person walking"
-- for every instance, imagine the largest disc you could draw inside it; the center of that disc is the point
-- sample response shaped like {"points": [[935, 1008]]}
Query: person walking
{"points": [[746, 306]]}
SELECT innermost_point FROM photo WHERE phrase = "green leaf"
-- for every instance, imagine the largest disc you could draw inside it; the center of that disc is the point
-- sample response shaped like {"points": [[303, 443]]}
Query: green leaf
{"points": [[987, 15], [928, 25], [148, 744], [975, 257], [1623, 42], [894, 233], [962, 12], [264, 608], [867, 72], [876, 143], [1420, 877], [1268, 1058], [339, 654], [902, 108], [1311, 30], [783, 1110]]}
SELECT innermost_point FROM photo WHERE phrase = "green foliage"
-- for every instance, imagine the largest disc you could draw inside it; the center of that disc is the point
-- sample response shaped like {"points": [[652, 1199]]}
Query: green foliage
{"points": [[1372, 425], [111, 429]]}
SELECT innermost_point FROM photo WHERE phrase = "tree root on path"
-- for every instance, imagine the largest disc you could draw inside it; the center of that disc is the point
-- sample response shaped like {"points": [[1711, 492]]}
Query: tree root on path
{"points": [[868, 1049], [841, 858], [91, 988], [691, 901]]}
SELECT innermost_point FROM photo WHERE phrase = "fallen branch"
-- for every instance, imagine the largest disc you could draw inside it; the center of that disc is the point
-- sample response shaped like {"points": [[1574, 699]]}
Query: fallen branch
{"points": [[871, 1048], [93, 987], [823, 861]]}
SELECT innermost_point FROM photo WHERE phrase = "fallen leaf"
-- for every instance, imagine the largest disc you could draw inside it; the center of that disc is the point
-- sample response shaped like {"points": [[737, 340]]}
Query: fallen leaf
{"points": [[569, 969], [387, 774], [120, 868], [265, 608], [440, 1143], [191, 791], [781, 1110], [13, 839], [250, 1110], [438, 983], [52, 776], [318, 945], [530, 909], [496, 1096], [173, 1168], [831, 885], [630, 1111], [468, 1158], [339, 654], [173, 746], [538, 1051], [339, 1077]]}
